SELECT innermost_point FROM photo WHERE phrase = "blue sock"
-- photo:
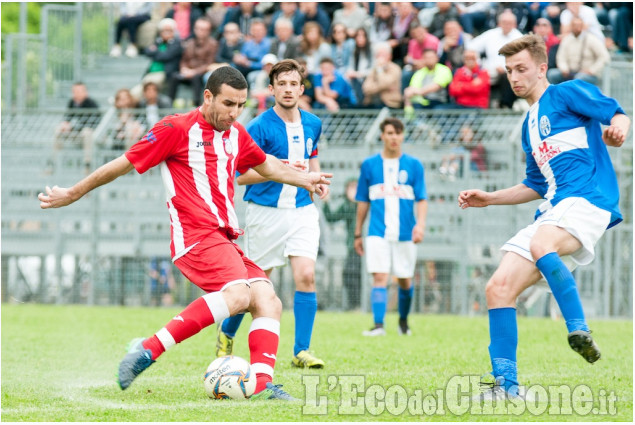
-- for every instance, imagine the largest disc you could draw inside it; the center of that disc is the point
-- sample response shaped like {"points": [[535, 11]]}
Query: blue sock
{"points": [[405, 300], [231, 324], [564, 290], [503, 333], [304, 309], [378, 298]]}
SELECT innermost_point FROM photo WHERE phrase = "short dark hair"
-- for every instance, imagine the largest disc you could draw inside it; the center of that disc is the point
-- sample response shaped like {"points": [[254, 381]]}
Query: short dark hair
{"points": [[326, 60], [286, 65], [225, 75], [395, 122]]}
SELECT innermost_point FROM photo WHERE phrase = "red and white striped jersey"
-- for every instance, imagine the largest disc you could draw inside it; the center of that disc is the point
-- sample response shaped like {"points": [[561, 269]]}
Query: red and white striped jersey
{"points": [[198, 165]]}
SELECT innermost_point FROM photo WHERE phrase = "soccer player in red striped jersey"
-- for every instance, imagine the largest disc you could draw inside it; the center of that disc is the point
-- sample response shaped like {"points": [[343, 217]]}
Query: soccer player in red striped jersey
{"points": [[199, 154]]}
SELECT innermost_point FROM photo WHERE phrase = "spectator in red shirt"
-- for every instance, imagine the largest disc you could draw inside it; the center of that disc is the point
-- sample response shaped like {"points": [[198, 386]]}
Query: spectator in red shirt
{"points": [[544, 29], [470, 86]]}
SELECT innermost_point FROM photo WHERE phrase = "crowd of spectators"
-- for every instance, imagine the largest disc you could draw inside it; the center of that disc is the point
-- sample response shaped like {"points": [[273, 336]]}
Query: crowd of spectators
{"points": [[365, 54]]}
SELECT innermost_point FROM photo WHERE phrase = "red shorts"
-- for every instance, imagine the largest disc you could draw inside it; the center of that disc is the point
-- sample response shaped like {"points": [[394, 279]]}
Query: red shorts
{"points": [[216, 261]]}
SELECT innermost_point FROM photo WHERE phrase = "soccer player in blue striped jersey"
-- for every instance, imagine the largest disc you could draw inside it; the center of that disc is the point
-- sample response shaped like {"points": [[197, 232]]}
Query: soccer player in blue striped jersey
{"points": [[281, 220], [391, 186], [567, 165]]}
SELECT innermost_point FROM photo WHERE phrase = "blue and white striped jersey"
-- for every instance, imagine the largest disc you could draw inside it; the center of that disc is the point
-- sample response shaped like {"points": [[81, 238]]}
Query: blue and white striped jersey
{"points": [[566, 157], [291, 143], [391, 186]]}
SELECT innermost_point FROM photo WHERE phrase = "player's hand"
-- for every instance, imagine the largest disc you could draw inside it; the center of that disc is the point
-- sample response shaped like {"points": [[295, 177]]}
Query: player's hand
{"points": [[417, 234], [473, 198], [358, 244], [324, 191], [613, 136], [317, 181], [55, 198]]}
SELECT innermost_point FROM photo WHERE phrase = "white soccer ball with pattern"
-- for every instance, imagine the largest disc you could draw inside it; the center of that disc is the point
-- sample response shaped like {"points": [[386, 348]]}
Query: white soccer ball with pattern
{"points": [[229, 377]]}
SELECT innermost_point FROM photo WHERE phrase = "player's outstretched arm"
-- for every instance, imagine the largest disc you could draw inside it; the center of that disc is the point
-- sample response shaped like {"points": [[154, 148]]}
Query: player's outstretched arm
{"points": [[274, 169], [615, 134], [57, 197], [514, 195]]}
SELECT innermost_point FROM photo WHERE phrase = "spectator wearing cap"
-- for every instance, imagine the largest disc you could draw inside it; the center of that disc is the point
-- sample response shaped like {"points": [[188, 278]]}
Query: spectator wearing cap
{"points": [[382, 86], [332, 91], [254, 48], [470, 85], [285, 45], [581, 56], [259, 83], [199, 52], [166, 55]]}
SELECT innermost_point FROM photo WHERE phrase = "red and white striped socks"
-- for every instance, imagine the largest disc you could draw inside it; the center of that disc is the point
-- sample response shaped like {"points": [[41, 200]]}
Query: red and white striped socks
{"points": [[202, 312], [264, 335]]}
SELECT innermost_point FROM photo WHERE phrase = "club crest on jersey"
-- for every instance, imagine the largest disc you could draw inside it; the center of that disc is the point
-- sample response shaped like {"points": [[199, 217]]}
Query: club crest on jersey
{"points": [[545, 126], [403, 177], [309, 145], [227, 144]]}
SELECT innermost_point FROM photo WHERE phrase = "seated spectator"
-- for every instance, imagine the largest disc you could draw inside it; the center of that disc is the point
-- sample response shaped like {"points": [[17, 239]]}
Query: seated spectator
{"points": [[131, 15], [470, 85], [552, 13], [185, 17], [427, 87], [199, 52], [488, 44], [452, 45], [152, 101], [80, 120], [288, 10], [165, 54], [620, 16], [446, 11], [313, 12], [242, 15], [285, 45], [380, 26], [420, 40], [586, 14], [382, 86], [474, 16], [259, 83], [313, 47], [128, 130], [361, 64], [341, 48], [230, 43], [581, 56], [405, 19], [351, 15], [452, 165], [543, 29], [332, 91], [519, 9], [254, 48], [308, 96]]}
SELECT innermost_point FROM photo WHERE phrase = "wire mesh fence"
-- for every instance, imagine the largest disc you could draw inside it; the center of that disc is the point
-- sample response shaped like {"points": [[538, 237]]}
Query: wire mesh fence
{"points": [[111, 247]]}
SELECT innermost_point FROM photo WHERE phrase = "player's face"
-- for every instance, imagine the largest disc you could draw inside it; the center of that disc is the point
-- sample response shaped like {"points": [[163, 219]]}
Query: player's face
{"points": [[392, 139], [287, 89], [223, 109], [524, 74]]}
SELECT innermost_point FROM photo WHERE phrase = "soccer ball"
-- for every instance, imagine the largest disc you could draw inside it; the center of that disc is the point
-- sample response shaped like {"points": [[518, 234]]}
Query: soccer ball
{"points": [[229, 377]]}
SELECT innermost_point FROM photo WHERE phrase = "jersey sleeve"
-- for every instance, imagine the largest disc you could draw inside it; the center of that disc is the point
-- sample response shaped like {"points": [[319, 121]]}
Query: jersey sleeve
{"points": [[534, 178], [587, 100], [318, 133], [250, 154], [363, 184], [155, 147], [419, 185]]}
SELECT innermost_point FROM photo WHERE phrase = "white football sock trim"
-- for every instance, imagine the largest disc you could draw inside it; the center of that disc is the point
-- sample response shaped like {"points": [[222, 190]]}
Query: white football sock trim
{"points": [[266, 323], [217, 306], [262, 368], [166, 338]]}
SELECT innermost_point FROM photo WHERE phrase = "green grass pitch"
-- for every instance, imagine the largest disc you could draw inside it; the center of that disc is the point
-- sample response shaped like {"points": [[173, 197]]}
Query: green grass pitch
{"points": [[59, 363]]}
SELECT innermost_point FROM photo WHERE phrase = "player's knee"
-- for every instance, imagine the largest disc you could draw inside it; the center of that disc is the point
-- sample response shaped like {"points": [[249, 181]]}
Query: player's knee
{"points": [[266, 303], [538, 249], [305, 278], [497, 292], [238, 298]]}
